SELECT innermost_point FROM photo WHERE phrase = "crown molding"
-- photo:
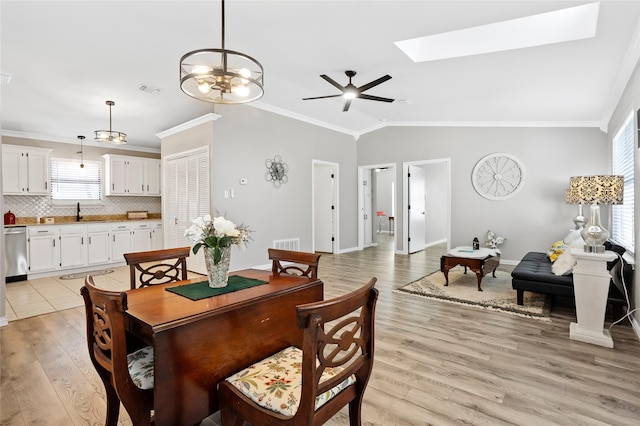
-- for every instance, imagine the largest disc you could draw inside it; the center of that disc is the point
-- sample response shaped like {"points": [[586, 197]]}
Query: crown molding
{"points": [[303, 118], [74, 141], [629, 62], [209, 117], [587, 124]]}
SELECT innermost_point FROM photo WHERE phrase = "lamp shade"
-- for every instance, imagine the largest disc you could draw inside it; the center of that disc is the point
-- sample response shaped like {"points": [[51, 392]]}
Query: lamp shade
{"points": [[601, 189]]}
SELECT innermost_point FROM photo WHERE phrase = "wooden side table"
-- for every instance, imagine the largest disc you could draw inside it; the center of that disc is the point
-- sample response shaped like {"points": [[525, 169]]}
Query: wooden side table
{"points": [[479, 261]]}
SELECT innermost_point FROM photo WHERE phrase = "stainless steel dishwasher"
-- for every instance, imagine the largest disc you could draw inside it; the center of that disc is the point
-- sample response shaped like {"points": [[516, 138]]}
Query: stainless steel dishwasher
{"points": [[15, 253]]}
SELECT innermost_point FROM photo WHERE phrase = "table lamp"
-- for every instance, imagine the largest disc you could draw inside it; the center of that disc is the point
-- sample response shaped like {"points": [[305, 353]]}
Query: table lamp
{"points": [[572, 197], [596, 190]]}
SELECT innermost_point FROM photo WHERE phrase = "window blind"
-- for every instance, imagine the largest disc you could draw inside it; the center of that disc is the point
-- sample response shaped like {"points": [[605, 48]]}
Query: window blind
{"points": [[71, 182], [622, 216]]}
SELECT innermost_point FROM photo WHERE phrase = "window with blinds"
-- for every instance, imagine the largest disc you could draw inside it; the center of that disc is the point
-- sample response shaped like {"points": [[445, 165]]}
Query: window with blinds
{"points": [[622, 216], [70, 182]]}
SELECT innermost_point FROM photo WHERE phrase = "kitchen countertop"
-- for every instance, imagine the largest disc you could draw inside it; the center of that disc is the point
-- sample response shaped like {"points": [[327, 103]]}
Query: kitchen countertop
{"points": [[71, 220]]}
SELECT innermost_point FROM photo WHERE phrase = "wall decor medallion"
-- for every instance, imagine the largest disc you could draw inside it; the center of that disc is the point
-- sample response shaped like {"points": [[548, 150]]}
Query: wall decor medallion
{"points": [[276, 171], [498, 176]]}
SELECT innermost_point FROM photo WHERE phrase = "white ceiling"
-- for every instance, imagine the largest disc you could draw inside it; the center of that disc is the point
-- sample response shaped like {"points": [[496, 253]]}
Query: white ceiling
{"points": [[66, 58]]}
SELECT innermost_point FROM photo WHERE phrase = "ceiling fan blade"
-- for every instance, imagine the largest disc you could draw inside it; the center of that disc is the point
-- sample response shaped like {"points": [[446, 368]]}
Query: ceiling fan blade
{"points": [[374, 83], [322, 97], [332, 82], [375, 98], [347, 104]]}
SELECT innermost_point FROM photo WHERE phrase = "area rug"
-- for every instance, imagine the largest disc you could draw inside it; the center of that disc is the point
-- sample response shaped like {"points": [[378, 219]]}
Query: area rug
{"points": [[84, 274], [497, 294]]}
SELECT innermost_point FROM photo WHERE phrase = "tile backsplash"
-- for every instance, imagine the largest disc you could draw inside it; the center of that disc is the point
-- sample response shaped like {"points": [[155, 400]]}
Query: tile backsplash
{"points": [[30, 206]]}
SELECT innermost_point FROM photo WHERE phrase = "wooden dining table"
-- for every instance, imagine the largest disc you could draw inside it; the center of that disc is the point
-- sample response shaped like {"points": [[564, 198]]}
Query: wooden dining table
{"points": [[198, 343]]}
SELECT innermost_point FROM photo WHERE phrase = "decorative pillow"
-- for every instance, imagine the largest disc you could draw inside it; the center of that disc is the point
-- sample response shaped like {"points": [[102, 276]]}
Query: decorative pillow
{"points": [[556, 250], [140, 365], [565, 262], [275, 383]]}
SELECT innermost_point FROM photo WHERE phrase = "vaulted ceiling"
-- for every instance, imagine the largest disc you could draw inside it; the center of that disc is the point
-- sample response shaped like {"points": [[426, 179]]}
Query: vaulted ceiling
{"points": [[66, 58]]}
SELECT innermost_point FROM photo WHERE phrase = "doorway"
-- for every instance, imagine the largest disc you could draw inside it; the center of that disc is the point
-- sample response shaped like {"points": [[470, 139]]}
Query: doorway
{"points": [[376, 204], [427, 204], [325, 206]]}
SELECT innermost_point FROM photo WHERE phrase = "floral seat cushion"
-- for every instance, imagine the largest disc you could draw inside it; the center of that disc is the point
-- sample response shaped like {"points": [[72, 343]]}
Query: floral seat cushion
{"points": [[275, 382], [140, 365]]}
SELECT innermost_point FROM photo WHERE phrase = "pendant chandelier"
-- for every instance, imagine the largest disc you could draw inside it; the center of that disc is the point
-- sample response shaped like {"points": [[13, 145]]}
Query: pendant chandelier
{"points": [[111, 136], [81, 152], [221, 76]]}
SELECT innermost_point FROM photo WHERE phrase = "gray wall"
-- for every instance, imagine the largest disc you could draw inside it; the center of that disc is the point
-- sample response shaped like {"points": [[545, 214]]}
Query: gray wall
{"points": [[531, 220], [243, 139]]}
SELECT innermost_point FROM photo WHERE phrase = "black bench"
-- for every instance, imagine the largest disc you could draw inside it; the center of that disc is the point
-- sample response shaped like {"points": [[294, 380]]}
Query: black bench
{"points": [[534, 273]]}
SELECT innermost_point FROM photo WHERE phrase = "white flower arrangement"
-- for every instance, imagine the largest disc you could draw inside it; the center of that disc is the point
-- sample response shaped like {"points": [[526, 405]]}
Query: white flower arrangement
{"points": [[493, 240], [216, 234]]}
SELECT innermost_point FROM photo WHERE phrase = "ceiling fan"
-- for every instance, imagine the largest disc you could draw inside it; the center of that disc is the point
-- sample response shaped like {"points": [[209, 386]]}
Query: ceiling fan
{"points": [[350, 91]]}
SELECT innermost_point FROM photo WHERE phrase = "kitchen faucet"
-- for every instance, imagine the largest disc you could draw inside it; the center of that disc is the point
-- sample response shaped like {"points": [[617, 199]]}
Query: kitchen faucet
{"points": [[78, 217]]}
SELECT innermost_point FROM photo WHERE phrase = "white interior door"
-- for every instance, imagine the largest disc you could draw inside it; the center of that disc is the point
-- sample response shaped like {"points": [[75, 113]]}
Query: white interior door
{"points": [[324, 205], [367, 212], [417, 209]]}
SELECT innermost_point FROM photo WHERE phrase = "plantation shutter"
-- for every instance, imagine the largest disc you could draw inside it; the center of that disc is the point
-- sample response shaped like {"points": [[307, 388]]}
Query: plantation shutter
{"points": [[622, 216]]}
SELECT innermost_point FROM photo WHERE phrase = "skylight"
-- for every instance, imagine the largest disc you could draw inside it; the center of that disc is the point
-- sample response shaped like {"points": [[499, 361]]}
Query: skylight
{"points": [[574, 23]]}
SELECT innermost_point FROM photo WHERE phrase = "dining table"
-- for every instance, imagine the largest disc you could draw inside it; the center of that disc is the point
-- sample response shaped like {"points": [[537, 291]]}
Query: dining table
{"points": [[199, 343]]}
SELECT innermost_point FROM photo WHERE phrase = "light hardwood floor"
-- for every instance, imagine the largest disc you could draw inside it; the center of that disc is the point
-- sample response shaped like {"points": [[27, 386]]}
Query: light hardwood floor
{"points": [[435, 363]]}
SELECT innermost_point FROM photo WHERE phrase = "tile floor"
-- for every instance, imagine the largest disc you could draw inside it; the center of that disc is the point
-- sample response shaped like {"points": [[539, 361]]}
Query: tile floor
{"points": [[40, 296]]}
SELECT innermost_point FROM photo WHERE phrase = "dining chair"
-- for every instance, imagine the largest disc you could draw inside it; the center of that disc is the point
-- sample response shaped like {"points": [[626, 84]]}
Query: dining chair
{"points": [[127, 374], [296, 259], [308, 386], [145, 270]]}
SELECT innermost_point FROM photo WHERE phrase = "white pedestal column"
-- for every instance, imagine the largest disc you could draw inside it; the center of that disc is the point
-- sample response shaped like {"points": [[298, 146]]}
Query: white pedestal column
{"points": [[591, 288]]}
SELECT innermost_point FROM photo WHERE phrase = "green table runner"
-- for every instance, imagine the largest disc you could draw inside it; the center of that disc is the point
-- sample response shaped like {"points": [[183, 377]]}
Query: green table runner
{"points": [[202, 290]]}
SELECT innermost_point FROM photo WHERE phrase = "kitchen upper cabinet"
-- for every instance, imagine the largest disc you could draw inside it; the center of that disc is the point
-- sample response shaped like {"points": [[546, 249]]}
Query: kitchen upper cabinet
{"points": [[44, 248], [25, 170], [152, 177], [73, 248], [126, 175], [99, 244]]}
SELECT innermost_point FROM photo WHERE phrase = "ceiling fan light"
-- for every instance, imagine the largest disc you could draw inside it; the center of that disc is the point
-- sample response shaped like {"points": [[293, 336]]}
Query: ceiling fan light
{"points": [[349, 94]]}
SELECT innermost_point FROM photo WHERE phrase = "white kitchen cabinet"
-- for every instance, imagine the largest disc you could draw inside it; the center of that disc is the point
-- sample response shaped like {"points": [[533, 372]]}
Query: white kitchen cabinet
{"points": [[152, 177], [125, 175], [120, 241], [25, 170], [44, 248], [157, 237], [73, 248], [142, 236], [99, 244]]}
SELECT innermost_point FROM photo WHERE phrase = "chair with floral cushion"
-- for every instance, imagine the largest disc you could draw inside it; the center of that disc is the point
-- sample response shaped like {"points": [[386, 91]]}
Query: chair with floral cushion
{"points": [[127, 376], [147, 268], [290, 262], [308, 386]]}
